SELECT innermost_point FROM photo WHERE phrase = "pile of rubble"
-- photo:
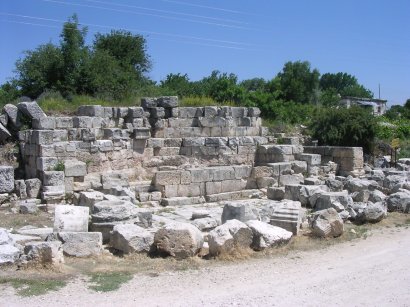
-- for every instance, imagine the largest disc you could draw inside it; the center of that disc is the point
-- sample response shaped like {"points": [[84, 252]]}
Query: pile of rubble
{"points": [[167, 180]]}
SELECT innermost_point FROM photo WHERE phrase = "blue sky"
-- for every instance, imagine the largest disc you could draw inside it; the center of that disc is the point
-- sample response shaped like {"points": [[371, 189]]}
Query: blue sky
{"points": [[368, 39]]}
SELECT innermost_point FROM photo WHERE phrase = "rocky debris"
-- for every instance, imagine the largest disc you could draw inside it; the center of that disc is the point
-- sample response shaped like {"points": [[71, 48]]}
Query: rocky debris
{"points": [[179, 240], [334, 185], [399, 201], [89, 198], [391, 181], [286, 215], [239, 210], [199, 214], [374, 212], [326, 223], [20, 189], [337, 200], [29, 206], [71, 218], [357, 185], [130, 238], [9, 253], [266, 235], [205, 224], [44, 252], [229, 237], [79, 244], [114, 179], [123, 192], [306, 194], [6, 179], [276, 193], [112, 211], [29, 230]]}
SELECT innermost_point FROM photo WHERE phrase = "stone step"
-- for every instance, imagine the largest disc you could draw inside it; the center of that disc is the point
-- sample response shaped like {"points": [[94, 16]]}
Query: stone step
{"points": [[244, 194]]}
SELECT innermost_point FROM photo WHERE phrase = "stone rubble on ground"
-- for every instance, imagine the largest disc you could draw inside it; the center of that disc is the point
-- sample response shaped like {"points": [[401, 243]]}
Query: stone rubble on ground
{"points": [[179, 181]]}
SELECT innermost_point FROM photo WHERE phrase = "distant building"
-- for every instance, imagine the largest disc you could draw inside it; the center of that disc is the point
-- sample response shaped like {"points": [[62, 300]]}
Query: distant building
{"points": [[378, 106]]}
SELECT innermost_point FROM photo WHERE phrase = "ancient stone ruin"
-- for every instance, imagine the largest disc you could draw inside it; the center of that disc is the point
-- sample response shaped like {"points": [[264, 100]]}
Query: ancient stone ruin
{"points": [[179, 181]]}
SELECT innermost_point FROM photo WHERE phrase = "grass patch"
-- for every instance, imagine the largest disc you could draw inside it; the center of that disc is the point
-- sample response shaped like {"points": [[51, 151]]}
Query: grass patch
{"points": [[108, 281], [33, 287], [10, 220]]}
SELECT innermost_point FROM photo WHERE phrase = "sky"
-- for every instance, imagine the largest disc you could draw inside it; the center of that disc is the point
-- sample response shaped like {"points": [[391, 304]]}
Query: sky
{"points": [[369, 39]]}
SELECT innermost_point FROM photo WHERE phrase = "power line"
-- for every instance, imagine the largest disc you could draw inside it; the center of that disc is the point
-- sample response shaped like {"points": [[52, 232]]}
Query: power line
{"points": [[155, 38], [150, 14], [131, 30], [168, 12]]}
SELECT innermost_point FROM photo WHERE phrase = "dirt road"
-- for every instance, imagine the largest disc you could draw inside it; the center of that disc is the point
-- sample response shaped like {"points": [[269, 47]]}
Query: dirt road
{"points": [[371, 272]]}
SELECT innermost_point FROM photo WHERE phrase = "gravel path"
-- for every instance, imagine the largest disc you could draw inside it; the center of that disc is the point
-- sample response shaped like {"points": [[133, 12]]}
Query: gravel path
{"points": [[371, 272]]}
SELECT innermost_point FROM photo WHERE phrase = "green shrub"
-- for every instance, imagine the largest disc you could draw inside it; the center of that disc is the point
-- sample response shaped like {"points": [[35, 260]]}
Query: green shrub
{"points": [[344, 127]]}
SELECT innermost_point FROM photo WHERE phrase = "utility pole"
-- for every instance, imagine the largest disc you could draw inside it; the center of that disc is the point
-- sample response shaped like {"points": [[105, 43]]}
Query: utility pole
{"points": [[379, 90]]}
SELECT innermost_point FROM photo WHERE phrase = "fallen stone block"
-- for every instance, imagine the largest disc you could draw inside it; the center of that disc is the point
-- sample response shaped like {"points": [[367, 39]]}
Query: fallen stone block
{"points": [[9, 254], [114, 179], [337, 200], [20, 189], [327, 223], [71, 218], [205, 224], [13, 116], [5, 237], [29, 206], [31, 109], [241, 210], [81, 244], [44, 123], [399, 201], [179, 240], [266, 235], [4, 134], [44, 252], [168, 101], [88, 199], [286, 215], [43, 232], [130, 238], [53, 178], [276, 193], [229, 237], [6, 179]]}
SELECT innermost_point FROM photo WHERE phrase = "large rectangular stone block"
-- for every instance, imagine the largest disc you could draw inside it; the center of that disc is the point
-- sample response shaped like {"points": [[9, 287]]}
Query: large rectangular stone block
{"points": [[167, 178], [75, 168], [42, 137], [91, 111], [6, 179], [71, 218], [44, 123]]}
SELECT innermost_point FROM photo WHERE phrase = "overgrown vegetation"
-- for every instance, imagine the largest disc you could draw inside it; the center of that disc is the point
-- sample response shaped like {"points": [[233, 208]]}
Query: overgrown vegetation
{"points": [[33, 286], [108, 281]]}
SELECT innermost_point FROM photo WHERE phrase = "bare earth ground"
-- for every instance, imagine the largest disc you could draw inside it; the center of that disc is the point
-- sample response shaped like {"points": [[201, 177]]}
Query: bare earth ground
{"points": [[364, 272]]}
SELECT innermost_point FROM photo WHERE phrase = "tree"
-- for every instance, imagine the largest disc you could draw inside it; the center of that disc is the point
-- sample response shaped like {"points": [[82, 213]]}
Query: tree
{"points": [[39, 70], [407, 104], [222, 87], [344, 85], [8, 92], [75, 55], [345, 127], [178, 83], [253, 85], [298, 82]]}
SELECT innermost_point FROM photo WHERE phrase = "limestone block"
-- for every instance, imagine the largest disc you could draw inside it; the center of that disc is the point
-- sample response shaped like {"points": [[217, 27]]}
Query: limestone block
{"points": [[231, 236], [168, 101], [179, 240], [81, 244], [311, 159], [299, 167], [71, 218], [190, 112], [239, 210], [167, 178], [266, 235], [4, 134], [194, 141], [44, 252], [148, 103], [213, 187], [290, 179], [60, 135], [337, 200], [254, 112], [82, 122], [210, 111], [327, 223], [221, 173], [142, 133], [92, 110], [53, 178], [42, 137], [20, 189], [155, 142], [135, 112], [212, 122], [287, 215], [13, 115], [6, 179], [31, 110], [64, 122], [44, 123], [276, 193], [191, 190], [200, 174], [104, 145], [157, 112], [33, 187], [242, 171], [8, 254], [113, 179], [74, 168], [130, 238]]}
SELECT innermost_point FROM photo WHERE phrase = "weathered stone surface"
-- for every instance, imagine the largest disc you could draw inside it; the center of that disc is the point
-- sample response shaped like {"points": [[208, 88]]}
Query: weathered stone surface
{"points": [[88, 199], [286, 215], [8, 254], [326, 223], [276, 193], [206, 223], [81, 244], [303, 193], [71, 218], [179, 240], [374, 212], [43, 232], [44, 253], [239, 210], [111, 211], [390, 181], [376, 196], [4, 134], [20, 188], [399, 201], [337, 200], [357, 185], [53, 178], [334, 185], [266, 235], [114, 179], [123, 192], [5, 237], [290, 179], [130, 238], [29, 206], [13, 116], [31, 110], [75, 168], [33, 187], [229, 237], [6, 179]]}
